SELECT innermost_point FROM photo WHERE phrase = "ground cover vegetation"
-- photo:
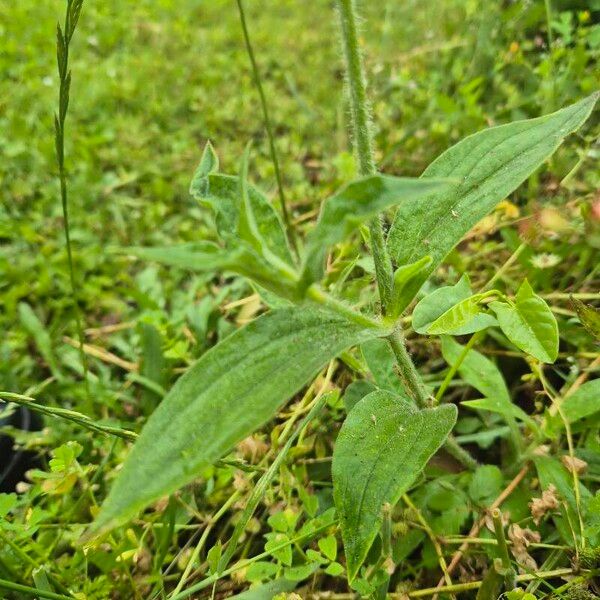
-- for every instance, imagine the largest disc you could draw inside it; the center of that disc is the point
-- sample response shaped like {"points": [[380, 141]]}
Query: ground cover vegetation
{"points": [[299, 303]]}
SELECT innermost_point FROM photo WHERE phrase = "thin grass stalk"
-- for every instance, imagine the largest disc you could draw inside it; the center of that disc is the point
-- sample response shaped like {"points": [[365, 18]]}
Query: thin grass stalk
{"points": [[265, 110], [63, 41]]}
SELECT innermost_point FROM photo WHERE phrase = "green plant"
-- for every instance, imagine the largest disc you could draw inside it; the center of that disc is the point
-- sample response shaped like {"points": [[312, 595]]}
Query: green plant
{"points": [[239, 385]]}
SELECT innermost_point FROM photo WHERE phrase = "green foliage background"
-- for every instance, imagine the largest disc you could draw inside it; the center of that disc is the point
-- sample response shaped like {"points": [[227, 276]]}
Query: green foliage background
{"points": [[152, 81]]}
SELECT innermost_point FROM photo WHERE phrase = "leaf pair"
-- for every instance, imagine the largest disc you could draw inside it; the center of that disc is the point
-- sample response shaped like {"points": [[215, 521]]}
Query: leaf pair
{"points": [[527, 321]]}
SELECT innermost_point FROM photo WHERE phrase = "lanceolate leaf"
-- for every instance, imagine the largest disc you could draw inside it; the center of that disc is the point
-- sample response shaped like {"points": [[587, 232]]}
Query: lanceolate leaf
{"points": [[465, 317], [352, 205], [490, 165], [441, 302], [382, 447], [205, 257], [529, 324], [582, 403], [232, 390], [221, 193]]}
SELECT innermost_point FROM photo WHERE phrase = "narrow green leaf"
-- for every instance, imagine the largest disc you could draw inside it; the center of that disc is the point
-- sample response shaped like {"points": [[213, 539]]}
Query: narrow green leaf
{"points": [[444, 299], [232, 390], [490, 165], [382, 363], [354, 204], [407, 284], [477, 370], [206, 257], [529, 324], [508, 409], [382, 447], [589, 317], [465, 317], [581, 404]]}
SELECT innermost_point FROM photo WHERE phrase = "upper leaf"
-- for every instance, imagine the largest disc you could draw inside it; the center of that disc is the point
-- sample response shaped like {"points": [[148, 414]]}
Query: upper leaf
{"points": [[489, 165], [232, 390], [352, 205], [529, 324], [221, 193], [452, 310], [382, 447]]}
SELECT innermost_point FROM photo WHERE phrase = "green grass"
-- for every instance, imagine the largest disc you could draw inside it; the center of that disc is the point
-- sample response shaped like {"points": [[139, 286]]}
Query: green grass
{"points": [[152, 81]]}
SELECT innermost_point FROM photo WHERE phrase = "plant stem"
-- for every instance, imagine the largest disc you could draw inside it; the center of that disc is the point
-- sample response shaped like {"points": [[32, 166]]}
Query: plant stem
{"points": [[63, 42], [413, 384], [361, 125], [363, 141], [263, 102]]}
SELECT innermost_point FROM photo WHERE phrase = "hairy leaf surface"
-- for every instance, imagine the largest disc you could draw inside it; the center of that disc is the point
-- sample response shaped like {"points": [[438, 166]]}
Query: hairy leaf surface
{"points": [[221, 193], [354, 204], [529, 324], [203, 257], [382, 447], [490, 165], [232, 390]]}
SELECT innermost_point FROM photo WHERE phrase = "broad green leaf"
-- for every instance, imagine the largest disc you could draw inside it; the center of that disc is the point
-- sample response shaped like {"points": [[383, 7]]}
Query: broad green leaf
{"points": [[205, 257], [407, 284], [443, 300], [232, 390], [529, 324], [490, 165], [352, 205], [383, 446], [477, 370], [589, 317], [221, 193], [356, 391]]}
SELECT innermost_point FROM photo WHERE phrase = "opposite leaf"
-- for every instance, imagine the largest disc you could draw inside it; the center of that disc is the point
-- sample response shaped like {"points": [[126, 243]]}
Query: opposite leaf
{"points": [[354, 204], [529, 324], [382, 447], [232, 390], [490, 165], [452, 309]]}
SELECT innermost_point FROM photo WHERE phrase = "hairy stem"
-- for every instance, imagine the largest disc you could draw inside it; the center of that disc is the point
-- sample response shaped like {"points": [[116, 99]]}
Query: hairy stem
{"points": [[268, 127], [361, 125], [363, 141]]}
